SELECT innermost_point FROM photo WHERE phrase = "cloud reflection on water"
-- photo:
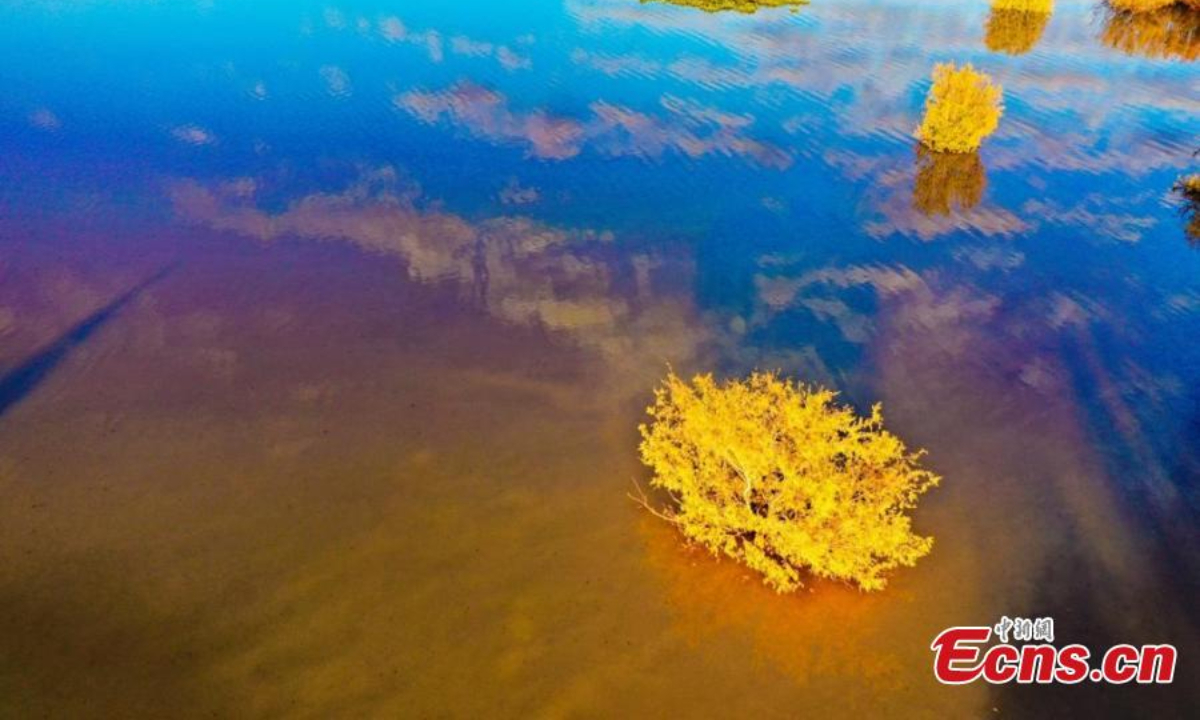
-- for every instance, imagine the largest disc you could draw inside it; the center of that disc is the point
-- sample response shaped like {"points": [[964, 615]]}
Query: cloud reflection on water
{"points": [[519, 270], [688, 128]]}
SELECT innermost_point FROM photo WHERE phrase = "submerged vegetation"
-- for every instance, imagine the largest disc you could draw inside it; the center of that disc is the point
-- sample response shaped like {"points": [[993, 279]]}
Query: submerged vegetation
{"points": [[742, 6], [1171, 32], [1015, 26], [783, 479], [963, 108], [947, 181], [1188, 188]]}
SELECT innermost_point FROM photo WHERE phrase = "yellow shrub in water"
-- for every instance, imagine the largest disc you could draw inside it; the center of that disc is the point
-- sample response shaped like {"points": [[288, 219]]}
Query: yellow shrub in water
{"points": [[742, 6], [780, 477], [963, 107], [1188, 188]]}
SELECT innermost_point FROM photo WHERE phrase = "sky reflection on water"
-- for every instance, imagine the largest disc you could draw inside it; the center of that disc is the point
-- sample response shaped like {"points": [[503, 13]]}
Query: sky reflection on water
{"points": [[367, 442]]}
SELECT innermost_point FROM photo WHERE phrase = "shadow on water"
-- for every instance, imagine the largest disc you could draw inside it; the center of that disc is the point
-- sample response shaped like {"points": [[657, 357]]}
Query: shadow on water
{"points": [[1101, 609], [19, 382], [1073, 588]]}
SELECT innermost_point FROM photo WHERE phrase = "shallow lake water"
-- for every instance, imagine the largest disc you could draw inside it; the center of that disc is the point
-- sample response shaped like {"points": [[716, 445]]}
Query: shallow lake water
{"points": [[326, 328]]}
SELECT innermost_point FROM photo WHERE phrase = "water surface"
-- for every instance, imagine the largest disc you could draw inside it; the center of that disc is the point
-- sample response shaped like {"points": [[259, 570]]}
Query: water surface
{"points": [[325, 330]]}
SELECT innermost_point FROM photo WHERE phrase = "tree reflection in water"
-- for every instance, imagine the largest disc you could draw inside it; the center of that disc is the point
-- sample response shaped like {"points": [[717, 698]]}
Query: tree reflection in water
{"points": [[1167, 33], [948, 182], [1015, 32]]}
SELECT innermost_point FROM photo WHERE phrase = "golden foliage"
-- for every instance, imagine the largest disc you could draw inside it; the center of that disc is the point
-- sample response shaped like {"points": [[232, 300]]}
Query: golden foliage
{"points": [[1044, 7], [1188, 188], [948, 181], [1015, 32], [781, 478], [1169, 32], [963, 107], [742, 6]]}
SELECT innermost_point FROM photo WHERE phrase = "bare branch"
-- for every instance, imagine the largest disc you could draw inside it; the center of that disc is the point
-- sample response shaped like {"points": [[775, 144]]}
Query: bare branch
{"points": [[644, 501]]}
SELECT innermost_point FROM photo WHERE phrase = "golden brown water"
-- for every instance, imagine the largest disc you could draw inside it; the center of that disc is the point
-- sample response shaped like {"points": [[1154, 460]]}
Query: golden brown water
{"points": [[287, 479]]}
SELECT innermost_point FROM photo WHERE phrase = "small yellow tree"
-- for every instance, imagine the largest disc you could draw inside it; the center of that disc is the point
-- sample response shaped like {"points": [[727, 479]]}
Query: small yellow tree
{"points": [[963, 107], [778, 476], [1188, 188]]}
